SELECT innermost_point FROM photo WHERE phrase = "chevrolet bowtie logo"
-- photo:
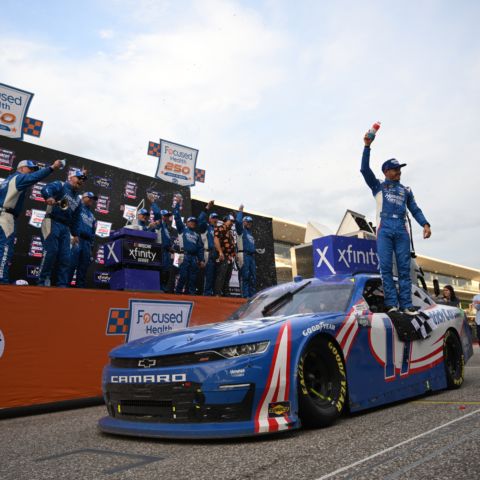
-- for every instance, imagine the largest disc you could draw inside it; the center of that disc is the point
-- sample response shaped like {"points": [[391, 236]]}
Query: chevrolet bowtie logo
{"points": [[147, 363]]}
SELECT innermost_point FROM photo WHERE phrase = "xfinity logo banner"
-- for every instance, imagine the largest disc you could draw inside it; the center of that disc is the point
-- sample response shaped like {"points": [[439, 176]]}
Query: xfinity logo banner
{"points": [[176, 163], [145, 318], [14, 105], [344, 255]]}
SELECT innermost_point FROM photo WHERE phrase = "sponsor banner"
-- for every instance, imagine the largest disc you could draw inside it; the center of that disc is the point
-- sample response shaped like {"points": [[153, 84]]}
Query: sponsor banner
{"points": [[129, 212], [146, 318], [103, 204], [36, 192], [7, 157], [36, 247], [103, 229], [14, 105], [176, 163], [142, 253], [36, 218], [344, 255], [200, 175], [101, 278], [33, 271], [32, 126], [102, 182], [130, 190]]}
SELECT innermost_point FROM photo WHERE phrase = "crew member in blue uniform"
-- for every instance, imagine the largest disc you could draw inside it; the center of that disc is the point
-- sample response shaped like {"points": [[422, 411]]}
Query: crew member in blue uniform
{"points": [[12, 196], [246, 249], [163, 227], [83, 227], [62, 202], [393, 199], [207, 222], [193, 253], [142, 219]]}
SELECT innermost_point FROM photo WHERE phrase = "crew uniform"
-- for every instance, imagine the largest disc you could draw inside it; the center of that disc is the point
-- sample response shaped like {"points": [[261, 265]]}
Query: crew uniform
{"points": [[164, 237], [193, 253], [143, 224], [84, 226], [56, 229], [12, 196], [246, 251], [208, 233], [393, 199]]}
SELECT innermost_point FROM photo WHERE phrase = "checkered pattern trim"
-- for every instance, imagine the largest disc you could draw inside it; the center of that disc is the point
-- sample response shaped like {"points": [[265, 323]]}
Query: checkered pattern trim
{"points": [[199, 175], [153, 149], [118, 321], [32, 127]]}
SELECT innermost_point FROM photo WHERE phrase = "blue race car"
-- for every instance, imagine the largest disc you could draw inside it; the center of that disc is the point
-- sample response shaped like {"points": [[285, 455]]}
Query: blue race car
{"points": [[296, 354]]}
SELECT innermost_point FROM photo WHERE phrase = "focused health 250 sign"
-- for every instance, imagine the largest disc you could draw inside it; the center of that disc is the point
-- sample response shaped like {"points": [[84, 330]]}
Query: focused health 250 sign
{"points": [[176, 163], [14, 105]]}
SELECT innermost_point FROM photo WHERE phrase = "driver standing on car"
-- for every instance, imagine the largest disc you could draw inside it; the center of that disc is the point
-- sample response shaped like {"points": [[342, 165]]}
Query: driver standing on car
{"points": [[393, 238]]}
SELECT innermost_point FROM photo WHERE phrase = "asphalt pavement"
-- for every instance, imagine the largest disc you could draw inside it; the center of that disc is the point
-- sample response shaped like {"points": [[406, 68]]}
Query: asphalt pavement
{"points": [[432, 437]]}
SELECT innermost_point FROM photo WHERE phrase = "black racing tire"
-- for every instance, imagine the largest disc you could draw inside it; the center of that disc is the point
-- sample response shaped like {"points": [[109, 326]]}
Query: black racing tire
{"points": [[454, 360], [322, 383]]}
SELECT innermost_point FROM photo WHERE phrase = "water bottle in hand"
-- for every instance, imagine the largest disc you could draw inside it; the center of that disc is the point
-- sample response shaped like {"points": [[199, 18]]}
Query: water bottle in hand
{"points": [[373, 130]]}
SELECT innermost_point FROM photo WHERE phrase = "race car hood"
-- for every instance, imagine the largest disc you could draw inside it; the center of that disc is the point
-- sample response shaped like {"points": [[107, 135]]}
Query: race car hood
{"points": [[210, 336]]}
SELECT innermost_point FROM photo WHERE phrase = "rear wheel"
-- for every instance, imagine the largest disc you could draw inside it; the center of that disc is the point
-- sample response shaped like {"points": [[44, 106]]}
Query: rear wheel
{"points": [[322, 383], [454, 359]]}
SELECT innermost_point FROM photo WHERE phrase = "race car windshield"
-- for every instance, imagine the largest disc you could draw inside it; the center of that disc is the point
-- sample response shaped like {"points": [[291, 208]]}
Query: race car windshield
{"points": [[323, 298]]}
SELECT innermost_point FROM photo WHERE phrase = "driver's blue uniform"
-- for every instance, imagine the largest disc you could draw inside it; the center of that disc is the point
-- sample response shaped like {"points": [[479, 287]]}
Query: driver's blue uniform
{"points": [[56, 228], [211, 266], [248, 271], [393, 199], [12, 196], [193, 253], [83, 227]]}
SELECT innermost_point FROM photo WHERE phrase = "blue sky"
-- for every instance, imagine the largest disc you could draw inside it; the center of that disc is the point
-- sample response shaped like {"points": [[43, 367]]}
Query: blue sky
{"points": [[276, 95]]}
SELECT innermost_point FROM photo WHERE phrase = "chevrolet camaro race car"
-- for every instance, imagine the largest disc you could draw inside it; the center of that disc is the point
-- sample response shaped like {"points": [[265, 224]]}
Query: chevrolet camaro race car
{"points": [[296, 354]]}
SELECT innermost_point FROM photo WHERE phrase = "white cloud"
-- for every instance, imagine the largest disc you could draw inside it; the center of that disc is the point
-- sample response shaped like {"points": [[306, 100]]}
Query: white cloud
{"points": [[106, 34]]}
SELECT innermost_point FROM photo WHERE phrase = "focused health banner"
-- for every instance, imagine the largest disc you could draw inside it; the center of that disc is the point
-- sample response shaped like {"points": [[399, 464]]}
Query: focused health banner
{"points": [[176, 163], [14, 105]]}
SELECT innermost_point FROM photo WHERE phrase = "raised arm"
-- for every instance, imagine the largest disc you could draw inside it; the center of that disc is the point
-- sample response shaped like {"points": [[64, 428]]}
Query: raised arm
{"points": [[178, 219], [366, 171]]}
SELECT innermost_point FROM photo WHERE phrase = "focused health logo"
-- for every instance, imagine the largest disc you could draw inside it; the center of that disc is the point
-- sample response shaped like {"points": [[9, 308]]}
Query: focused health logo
{"points": [[145, 318]]}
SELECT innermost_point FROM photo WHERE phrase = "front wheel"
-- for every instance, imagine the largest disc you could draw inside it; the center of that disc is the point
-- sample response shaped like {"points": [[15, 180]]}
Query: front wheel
{"points": [[322, 383], [454, 360]]}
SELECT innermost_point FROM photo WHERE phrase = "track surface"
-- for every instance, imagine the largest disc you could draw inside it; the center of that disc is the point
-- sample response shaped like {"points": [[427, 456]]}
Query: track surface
{"points": [[434, 437]]}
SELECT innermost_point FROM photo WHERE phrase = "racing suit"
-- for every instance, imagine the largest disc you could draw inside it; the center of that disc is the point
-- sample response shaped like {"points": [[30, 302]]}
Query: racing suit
{"points": [[193, 253], [248, 274], [56, 233], [476, 305], [165, 239], [12, 196], [207, 229], [393, 199], [83, 226]]}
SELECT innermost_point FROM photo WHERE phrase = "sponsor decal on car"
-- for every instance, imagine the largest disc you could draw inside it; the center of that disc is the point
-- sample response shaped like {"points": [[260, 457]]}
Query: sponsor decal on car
{"points": [[237, 372], [319, 327], [148, 378], [278, 409]]}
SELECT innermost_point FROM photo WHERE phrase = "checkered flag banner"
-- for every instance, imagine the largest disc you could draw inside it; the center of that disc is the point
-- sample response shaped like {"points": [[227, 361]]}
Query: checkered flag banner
{"points": [[423, 324], [118, 321], [32, 127], [199, 175], [153, 149]]}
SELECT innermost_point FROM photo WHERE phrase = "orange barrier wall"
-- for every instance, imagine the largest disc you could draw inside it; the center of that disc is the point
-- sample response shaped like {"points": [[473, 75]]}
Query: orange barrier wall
{"points": [[55, 343]]}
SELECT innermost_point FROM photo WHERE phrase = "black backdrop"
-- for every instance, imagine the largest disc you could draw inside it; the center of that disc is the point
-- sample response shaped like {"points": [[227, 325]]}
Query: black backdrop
{"points": [[115, 188], [262, 230]]}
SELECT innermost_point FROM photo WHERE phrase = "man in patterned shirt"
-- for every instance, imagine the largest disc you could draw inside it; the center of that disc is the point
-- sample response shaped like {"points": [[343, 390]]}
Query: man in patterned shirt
{"points": [[225, 246]]}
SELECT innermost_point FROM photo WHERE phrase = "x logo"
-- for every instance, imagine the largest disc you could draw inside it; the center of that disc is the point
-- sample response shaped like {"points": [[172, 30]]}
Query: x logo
{"points": [[111, 253], [323, 259]]}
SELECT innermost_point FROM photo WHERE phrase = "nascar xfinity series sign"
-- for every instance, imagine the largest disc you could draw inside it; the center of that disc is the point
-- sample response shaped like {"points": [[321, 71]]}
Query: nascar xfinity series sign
{"points": [[146, 318], [176, 163], [336, 255], [14, 105]]}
